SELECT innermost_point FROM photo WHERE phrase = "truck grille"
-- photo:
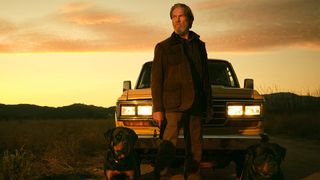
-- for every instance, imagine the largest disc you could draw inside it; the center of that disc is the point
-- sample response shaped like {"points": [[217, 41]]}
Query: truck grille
{"points": [[219, 112]]}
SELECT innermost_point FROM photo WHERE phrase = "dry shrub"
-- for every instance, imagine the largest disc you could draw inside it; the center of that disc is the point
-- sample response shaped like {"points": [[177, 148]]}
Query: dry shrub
{"points": [[291, 103], [61, 155], [298, 124], [293, 115], [17, 165], [60, 147]]}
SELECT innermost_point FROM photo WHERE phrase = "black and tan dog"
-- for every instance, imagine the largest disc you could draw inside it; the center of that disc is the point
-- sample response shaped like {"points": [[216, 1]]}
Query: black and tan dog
{"points": [[263, 162], [121, 159]]}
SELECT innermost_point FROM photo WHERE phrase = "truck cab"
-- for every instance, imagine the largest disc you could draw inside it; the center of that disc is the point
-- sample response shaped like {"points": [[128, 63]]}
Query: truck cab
{"points": [[237, 119]]}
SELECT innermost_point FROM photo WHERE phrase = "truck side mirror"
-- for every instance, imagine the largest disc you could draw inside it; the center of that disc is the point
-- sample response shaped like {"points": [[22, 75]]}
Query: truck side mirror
{"points": [[126, 85], [248, 83]]}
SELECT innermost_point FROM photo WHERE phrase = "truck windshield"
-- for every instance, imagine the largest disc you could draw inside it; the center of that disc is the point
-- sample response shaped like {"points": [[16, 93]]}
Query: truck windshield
{"points": [[220, 73]]}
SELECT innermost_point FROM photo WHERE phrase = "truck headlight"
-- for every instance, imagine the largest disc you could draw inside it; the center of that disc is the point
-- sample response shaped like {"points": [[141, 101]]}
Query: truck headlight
{"points": [[235, 110], [243, 110], [128, 110], [252, 110], [145, 110]]}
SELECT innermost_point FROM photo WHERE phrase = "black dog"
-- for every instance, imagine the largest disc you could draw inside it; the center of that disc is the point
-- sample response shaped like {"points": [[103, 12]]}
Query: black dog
{"points": [[263, 162], [121, 159]]}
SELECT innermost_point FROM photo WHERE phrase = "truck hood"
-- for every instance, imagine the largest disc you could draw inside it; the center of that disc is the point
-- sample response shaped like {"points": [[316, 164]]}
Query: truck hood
{"points": [[134, 94], [219, 92], [223, 92]]}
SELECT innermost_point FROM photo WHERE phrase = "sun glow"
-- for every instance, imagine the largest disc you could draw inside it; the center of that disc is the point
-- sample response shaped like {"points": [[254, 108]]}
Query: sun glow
{"points": [[57, 79]]}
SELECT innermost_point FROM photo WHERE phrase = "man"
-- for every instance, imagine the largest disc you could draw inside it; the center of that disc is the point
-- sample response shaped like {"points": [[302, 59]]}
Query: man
{"points": [[180, 92]]}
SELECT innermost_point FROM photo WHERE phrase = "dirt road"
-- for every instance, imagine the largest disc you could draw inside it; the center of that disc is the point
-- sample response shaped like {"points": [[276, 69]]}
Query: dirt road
{"points": [[302, 159], [302, 162]]}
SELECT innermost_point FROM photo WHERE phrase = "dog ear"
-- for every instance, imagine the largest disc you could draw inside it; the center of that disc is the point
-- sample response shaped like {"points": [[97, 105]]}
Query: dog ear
{"points": [[108, 135]]}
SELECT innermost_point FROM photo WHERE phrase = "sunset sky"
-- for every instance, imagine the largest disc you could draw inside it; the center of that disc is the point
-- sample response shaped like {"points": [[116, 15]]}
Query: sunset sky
{"points": [[60, 52]]}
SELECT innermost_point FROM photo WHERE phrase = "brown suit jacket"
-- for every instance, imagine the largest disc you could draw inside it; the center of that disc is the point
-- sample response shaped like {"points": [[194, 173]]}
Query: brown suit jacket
{"points": [[172, 83]]}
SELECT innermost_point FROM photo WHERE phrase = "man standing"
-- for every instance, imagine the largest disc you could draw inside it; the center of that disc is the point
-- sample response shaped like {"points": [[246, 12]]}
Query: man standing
{"points": [[180, 92]]}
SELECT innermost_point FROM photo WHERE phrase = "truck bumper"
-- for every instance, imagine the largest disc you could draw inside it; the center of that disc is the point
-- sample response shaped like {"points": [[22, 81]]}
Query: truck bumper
{"points": [[210, 142]]}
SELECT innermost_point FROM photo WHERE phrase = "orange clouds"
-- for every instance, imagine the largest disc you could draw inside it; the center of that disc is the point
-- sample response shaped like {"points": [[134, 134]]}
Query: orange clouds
{"points": [[5, 29], [80, 27], [87, 14], [116, 31], [213, 4], [92, 18], [225, 25], [74, 7], [260, 25]]}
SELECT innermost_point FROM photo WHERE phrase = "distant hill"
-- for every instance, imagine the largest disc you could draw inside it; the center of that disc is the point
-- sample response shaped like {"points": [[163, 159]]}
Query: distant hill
{"points": [[274, 103], [292, 115], [74, 111], [289, 102]]}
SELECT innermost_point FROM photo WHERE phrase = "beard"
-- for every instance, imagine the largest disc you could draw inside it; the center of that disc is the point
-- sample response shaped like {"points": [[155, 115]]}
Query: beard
{"points": [[181, 28]]}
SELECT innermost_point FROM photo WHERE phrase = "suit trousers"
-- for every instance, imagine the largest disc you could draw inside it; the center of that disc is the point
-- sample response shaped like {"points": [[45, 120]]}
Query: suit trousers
{"points": [[193, 142]]}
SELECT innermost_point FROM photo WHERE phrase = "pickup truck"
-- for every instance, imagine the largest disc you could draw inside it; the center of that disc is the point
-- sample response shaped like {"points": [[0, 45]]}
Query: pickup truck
{"points": [[237, 121]]}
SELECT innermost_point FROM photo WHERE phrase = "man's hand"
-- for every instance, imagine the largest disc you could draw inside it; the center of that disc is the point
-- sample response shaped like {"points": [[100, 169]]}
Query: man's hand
{"points": [[158, 117]]}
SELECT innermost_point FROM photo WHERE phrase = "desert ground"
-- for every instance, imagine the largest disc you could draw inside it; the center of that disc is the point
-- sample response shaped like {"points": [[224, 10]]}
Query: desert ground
{"points": [[63, 149], [302, 161]]}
